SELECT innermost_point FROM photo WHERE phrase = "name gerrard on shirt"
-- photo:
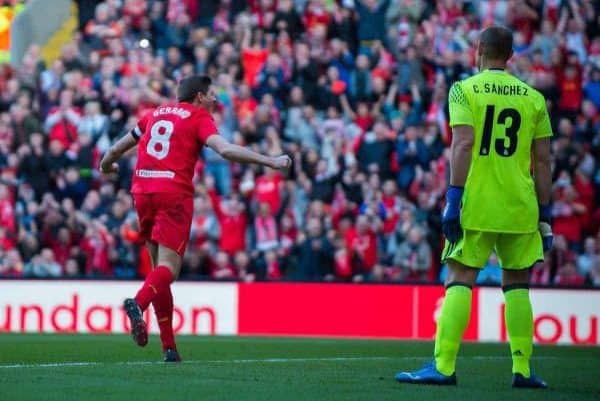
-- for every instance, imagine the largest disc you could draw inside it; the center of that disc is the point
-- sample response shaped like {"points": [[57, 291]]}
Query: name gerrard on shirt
{"points": [[171, 110]]}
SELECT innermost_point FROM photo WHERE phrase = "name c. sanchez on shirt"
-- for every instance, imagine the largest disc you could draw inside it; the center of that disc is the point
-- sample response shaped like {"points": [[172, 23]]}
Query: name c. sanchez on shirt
{"points": [[498, 89]]}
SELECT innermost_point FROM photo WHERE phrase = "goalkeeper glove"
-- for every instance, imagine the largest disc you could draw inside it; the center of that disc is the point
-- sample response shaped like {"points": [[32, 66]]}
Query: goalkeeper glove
{"points": [[545, 226], [451, 215]]}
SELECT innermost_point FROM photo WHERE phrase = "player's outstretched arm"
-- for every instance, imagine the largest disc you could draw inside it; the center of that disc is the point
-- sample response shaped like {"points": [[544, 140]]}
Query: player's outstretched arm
{"points": [[239, 154], [108, 164]]}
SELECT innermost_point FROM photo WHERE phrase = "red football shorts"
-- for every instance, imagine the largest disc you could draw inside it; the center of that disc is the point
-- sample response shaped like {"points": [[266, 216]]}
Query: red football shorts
{"points": [[165, 218]]}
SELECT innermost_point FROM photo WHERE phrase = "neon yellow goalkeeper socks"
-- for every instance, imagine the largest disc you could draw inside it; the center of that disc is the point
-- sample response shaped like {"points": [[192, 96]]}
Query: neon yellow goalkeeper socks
{"points": [[519, 324], [451, 325]]}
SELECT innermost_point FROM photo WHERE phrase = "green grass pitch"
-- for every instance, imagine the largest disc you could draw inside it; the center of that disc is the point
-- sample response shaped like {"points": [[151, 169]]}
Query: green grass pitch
{"points": [[90, 368]]}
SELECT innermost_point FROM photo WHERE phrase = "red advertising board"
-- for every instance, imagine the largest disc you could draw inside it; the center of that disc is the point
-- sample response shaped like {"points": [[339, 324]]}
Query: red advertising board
{"points": [[378, 311], [325, 310]]}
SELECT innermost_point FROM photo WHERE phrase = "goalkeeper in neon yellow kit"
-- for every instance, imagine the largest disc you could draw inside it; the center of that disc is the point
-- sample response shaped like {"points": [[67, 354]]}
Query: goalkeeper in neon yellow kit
{"points": [[493, 203]]}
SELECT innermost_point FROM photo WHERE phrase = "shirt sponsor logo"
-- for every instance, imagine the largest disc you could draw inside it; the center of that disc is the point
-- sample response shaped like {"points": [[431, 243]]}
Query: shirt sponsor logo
{"points": [[155, 174]]}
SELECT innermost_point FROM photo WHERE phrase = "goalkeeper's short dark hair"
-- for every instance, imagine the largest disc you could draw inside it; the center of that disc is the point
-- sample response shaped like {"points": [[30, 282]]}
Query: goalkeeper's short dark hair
{"points": [[497, 43], [189, 87]]}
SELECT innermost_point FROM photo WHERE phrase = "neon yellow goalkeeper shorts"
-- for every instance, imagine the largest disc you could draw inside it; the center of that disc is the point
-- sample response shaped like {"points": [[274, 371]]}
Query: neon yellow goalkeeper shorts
{"points": [[515, 251]]}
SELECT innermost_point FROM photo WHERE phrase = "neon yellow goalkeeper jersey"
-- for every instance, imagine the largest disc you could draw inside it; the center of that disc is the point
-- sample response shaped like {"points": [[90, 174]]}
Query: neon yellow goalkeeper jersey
{"points": [[506, 116]]}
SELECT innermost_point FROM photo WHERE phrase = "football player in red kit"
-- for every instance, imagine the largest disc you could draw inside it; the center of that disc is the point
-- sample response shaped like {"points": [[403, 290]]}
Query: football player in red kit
{"points": [[170, 139]]}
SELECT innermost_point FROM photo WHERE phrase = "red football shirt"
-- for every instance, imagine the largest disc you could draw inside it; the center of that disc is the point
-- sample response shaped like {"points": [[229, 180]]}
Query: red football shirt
{"points": [[365, 245], [267, 190], [171, 138], [253, 61]]}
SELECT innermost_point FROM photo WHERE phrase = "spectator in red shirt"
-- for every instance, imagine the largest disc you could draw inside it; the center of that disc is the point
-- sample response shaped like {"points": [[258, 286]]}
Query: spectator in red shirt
{"points": [[343, 267], [232, 221], [289, 232], [134, 11], [557, 257], [253, 56], [361, 245], [102, 28], [268, 189], [7, 210], [265, 229], [272, 266], [363, 117], [391, 203], [568, 212], [62, 120], [244, 105], [541, 273], [568, 277], [96, 245], [571, 92], [6, 243], [316, 13], [542, 75], [62, 246], [263, 12], [586, 196]]}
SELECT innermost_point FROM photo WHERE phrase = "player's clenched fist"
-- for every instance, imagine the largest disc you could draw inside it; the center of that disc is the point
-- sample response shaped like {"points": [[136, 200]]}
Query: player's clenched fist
{"points": [[109, 168], [281, 162], [451, 216]]}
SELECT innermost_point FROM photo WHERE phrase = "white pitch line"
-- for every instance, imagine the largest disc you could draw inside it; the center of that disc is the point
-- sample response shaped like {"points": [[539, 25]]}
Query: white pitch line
{"points": [[244, 361], [267, 360]]}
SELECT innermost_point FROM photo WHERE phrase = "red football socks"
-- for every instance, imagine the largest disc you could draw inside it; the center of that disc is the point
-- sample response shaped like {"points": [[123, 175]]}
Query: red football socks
{"points": [[157, 281], [163, 308]]}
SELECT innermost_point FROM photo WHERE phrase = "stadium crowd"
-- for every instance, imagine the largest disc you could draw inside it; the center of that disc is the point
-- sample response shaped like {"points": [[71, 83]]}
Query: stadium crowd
{"points": [[355, 90]]}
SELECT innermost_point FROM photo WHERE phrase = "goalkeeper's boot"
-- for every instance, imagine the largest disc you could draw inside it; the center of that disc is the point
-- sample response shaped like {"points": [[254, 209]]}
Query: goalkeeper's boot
{"points": [[427, 375], [139, 332], [171, 355], [520, 381]]}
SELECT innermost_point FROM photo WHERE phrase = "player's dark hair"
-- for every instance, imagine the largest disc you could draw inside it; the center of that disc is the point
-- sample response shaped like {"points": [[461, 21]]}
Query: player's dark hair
{"points": [[189, 87], [497, 43]]}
